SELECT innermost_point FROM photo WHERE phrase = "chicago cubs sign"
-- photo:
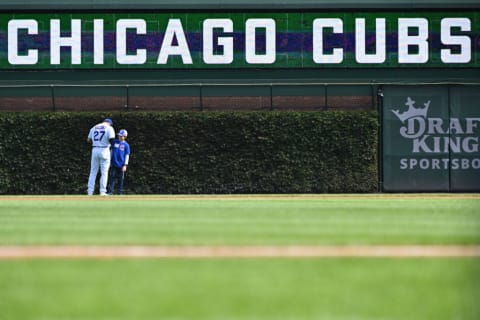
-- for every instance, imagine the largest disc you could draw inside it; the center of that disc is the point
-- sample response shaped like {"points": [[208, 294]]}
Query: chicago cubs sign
{"points": [[219, 40]]}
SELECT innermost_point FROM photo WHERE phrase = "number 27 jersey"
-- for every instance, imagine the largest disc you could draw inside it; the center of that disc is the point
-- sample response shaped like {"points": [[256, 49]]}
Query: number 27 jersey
{"points": [[101, 135]]}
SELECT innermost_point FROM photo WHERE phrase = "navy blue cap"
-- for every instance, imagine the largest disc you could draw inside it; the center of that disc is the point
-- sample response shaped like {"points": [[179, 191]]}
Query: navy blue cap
{"points": [[108, 120]]}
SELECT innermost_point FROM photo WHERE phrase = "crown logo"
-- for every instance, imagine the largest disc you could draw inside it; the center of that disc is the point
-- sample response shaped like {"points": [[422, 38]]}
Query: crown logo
{"points": [[412, 112]]}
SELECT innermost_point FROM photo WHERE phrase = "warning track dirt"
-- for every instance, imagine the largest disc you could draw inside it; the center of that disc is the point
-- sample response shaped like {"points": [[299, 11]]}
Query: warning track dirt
{"points": [[232, 252]]}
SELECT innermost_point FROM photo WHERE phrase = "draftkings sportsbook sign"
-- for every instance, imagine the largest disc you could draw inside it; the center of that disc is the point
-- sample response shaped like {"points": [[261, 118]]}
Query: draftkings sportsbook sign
{"points": [[431, 138], [226, 40]]}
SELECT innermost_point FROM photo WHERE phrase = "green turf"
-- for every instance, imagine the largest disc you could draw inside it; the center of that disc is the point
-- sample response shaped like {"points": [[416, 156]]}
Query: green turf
{"points": [[231, 221], [263, 289], [240, 289]]}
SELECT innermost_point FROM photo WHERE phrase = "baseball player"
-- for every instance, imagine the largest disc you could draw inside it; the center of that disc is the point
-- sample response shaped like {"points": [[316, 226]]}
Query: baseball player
{"points": [[100, 136], [120, 157]]}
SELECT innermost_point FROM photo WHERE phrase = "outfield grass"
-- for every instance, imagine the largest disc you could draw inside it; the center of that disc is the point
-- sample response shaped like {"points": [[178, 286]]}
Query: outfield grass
{"points": [[266, 289], [240, 289], [234, 221]]}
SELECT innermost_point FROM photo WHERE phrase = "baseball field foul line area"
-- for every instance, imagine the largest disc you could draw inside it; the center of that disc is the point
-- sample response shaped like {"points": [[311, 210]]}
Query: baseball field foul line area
{"points": [[212, 252]]}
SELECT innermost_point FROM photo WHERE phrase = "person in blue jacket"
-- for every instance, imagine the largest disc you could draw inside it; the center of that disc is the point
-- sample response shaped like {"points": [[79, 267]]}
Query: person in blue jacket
{"points": [[120, 157]]}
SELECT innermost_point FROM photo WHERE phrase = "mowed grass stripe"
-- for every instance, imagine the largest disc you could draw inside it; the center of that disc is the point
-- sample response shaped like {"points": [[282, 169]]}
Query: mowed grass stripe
{"points": [[330, 221]]}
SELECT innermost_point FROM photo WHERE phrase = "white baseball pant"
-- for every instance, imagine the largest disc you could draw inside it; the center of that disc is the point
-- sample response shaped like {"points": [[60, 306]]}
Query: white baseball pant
{"points": [[100, 160]]}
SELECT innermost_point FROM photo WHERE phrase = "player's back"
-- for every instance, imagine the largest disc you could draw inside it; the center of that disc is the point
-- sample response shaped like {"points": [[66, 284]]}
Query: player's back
{"points": [[101, 134]]}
